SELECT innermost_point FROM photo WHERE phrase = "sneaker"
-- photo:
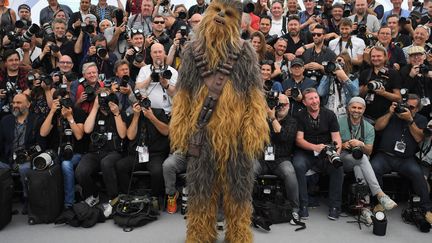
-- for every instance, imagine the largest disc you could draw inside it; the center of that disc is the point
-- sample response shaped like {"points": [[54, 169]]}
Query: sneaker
{"points": [[92, 201], [295, 217], [428, 217], [172, 203], [366, 216], [387, 202], [303, 213], [107, 209], [333, 214]]}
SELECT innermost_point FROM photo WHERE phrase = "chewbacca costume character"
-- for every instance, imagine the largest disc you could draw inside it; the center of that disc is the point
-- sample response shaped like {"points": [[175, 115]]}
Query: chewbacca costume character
{"points": [[219, 120]]}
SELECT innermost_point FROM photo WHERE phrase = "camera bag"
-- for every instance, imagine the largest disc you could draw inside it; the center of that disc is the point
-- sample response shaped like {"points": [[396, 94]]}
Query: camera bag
{"points": [[134, 211], [6, 193], [45, 194]]}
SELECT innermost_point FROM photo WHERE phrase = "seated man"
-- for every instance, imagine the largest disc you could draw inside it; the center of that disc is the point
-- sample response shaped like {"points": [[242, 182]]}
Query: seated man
{"points": [[173, 165], [19, 133], [317, 129], [403, 129], [357, 143], [278, 154]]}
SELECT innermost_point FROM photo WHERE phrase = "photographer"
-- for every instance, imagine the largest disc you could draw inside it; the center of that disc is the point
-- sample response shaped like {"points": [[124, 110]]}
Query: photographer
{"points": [[338, 13], [107, 129], [118, 34], [142, 20], [64, 129], [47, 13], [200, 8], [318, 135], [78, 17], [397, 9], [402, 129], [295, 37], [379, 86], [309, 15], [87, 33], [123, 85], [357, 143], [295, 85], [278, 154], [338, 86], [267, 68], [100, 54], [149, 147], [18, 136], [163, 8], [24, 14], [136, 54], [13, 80], [265, 24], [174, 54], [399, 37], [420, 38], [363, 19], [158, 35], [319, 53], [418, 79], [158, 80], [40, 92], [86, 91]]}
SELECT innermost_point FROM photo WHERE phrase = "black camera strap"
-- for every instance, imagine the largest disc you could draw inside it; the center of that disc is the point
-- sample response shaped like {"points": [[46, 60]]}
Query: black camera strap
{"points": [[363, 21], [354, 135], [348, 45]]}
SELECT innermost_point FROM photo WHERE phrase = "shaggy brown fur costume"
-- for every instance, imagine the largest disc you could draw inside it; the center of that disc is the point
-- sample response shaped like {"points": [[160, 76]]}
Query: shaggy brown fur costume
{"points": [[235, 134]]}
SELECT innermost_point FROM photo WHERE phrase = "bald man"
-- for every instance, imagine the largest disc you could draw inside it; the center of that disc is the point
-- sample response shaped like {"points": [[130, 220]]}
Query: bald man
{"points": [[157, 80], [19, 131]]}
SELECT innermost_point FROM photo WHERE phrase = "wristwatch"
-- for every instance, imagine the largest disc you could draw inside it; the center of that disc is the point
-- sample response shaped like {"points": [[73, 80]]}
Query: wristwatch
{"points": [[411, 122]]}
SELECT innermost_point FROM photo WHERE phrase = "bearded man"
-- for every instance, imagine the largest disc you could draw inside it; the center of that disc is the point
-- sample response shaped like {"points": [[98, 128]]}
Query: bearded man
{"points": [[219, 121]]}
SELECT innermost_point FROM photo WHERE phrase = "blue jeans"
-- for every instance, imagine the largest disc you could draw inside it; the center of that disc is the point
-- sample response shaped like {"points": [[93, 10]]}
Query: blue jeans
{"points": [[69, 178], [383, 164], [23, 169], [302, 162]]}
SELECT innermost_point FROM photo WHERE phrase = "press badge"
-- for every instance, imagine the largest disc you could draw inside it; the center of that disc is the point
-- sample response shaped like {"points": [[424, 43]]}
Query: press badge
{"points": [[109, 136], [400, 146], [143, 155], [269, 154], [425, 101]]}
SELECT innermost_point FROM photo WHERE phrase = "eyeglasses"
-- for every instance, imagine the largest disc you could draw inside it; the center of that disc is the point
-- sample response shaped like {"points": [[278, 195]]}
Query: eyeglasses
{"points": [[159, 22], [317, 34], [65, 62], [267, 62]]}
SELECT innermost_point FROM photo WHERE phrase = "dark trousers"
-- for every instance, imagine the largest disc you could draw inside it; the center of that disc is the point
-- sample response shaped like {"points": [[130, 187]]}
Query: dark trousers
{"points": [[154, 166], [383, 164], [302, 162], [92, 163]]}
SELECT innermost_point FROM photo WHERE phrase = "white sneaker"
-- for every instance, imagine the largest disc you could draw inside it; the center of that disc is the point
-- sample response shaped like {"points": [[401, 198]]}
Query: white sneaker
{"points": [[366, 215], [107, 209], [92, 201]]}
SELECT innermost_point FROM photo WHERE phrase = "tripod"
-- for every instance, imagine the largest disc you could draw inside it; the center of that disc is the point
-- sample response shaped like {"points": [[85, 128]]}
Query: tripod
{"points": [[359, 194]]}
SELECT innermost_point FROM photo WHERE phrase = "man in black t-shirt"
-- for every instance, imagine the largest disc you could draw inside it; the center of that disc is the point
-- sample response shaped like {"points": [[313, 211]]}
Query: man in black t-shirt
{"points": [[403, 131], [64, 127], [317, 128], [379, 85]]}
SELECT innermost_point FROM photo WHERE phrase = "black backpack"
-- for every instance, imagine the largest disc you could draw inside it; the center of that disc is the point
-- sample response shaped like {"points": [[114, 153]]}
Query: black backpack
{"points": [[134, 211]]}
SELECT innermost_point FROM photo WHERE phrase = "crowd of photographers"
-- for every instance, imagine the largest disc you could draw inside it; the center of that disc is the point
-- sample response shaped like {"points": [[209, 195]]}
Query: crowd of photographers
{"points": [[347, 86]]}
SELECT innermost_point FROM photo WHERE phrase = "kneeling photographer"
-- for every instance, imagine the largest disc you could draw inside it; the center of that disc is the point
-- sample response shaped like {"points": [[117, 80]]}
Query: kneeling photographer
{"points": [[278, 154], [319, 145], [402, 127], [64, 129], [107, 129], [19, 140], [149, 146], [357, 143], [338, 85], [418, 78]]}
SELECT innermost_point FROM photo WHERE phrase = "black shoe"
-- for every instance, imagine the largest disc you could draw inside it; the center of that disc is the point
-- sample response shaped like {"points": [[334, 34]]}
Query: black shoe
{"points": [[261, 223], [333, 214], [24, 210]]}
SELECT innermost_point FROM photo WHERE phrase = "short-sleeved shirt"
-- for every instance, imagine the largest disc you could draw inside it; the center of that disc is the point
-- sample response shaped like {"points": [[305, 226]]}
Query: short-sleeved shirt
{"points": [[355, 46], [398, 130], [367, 137], [325, 55], [379, 106], [317, 131], [372, 23]]}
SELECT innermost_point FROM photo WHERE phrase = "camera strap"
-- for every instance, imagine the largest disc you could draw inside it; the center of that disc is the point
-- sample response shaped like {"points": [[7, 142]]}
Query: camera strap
{"points": [[354, 135], [348, 45]]}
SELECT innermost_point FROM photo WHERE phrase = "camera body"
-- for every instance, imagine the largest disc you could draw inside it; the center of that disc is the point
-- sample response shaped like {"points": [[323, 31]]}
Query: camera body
{"points": [[423, 69], [415, 215], [87, 28], [272, 99], [295, 92], [375, 85], [101, 51], [357, 153], [24, 155], [104, 99], [330, 67], [360, 189], [99, 138], [89, 90], [161, 72], [402, 106], [143, 102], [312, 74], [329, 152]]}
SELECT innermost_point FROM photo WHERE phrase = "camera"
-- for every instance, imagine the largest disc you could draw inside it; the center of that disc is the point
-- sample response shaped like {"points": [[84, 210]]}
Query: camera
{"points": [[346, 13], [360, 189], [271, 40], [362, 29], [272, 99], [54, 47], [67, 147], [157, 73], [375, 85], [23, 155], [87, 28], [184, 34], [295, 92], [44, 160], [104, 99], [47, 79], [162, 39], [312, 74], [415, 215], [66, 103], [124, 81], [47, 29], [99, 139], [417, 3], [32, 30], [402, 106], [62, 90], [329, 152], [182, 15], [423, 69], [143, 102], [165, 2], [268, 84], [88, 90], [357, 153], [22, 23], [101, 51], [329, 67]]}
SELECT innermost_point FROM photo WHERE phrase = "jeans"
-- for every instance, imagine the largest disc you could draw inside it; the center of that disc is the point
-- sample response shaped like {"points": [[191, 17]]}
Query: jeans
{"points": [[284, 170], [383, 164], [69, 178], [362, 170], [92, 163], [305, 160], [23, 169], [173, 165], [124, 170]]}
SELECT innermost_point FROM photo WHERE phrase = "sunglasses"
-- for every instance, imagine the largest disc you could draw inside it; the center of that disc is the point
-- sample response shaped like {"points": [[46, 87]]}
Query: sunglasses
{"points": [[317, 34], [135, 31], [159, 22], [267, 62]]}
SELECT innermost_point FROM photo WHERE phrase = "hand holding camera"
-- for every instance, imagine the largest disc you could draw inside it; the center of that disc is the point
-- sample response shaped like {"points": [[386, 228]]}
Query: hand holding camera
{"points": [[55, 106]]}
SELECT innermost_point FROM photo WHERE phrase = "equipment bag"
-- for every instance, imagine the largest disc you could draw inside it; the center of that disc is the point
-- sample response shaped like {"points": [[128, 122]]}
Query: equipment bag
{"points": [[6, 193], [134, 211], [45, 194]]}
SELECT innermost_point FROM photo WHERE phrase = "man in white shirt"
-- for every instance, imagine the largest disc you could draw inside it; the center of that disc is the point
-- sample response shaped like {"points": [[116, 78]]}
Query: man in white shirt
{"points": [[276, 11]]}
